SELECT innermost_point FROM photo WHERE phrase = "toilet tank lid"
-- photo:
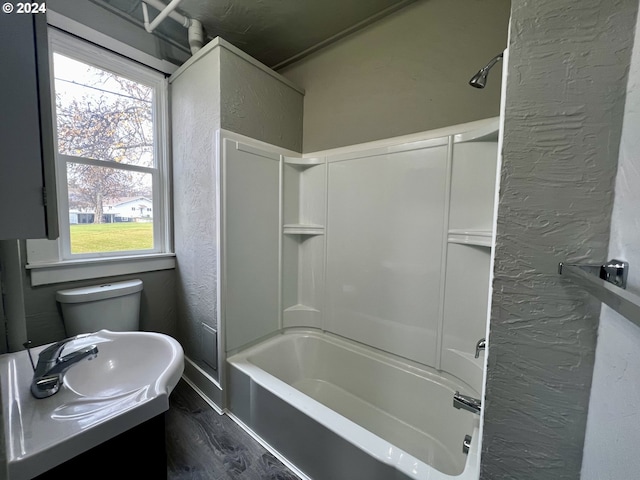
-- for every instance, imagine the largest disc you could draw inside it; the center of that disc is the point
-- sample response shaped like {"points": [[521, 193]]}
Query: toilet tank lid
{"points": [[99, 292]]}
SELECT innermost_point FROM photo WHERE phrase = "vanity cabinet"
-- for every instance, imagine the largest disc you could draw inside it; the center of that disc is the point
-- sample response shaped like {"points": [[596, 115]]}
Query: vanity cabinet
{"points": [[27, 178], [139, 452]]}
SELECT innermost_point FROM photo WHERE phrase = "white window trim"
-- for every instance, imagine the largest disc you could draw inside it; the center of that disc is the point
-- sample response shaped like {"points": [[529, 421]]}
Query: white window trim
{"points": [[72, 270], [82, 31], [45, 258]]}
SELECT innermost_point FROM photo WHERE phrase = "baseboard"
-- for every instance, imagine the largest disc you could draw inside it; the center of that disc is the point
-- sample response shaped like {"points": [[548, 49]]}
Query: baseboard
{"points": [[204, 384]]}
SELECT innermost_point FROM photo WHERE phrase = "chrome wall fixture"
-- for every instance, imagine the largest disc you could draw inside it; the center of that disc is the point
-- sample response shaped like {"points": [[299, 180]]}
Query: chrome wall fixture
{"points": [[466, 444], [607, 282], [479, 80], [465, 402], [616, 272]]}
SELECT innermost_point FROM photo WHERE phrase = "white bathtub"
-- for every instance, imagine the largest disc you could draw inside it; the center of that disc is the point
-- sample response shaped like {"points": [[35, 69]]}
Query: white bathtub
{"points": [[338, 410]]}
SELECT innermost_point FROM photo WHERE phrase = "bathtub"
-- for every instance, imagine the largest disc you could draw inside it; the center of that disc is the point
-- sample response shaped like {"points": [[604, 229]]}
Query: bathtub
{"points": [[339, 410]]}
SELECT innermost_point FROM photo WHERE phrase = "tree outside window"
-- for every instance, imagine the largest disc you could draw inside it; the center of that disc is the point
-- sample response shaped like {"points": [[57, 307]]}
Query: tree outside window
{"points": [[105, 135]]}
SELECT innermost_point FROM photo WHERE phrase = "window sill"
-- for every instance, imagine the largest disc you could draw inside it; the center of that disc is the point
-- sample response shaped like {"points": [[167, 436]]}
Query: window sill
{"points": [[69, 271]]}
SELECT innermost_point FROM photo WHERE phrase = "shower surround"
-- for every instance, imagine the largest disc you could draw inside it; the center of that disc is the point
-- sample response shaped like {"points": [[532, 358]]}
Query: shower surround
{"points": [[382, 255], [381, 248]]}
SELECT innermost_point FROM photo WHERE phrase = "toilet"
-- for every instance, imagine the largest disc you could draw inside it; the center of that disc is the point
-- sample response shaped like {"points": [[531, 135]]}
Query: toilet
{"points": [[111, 306]]}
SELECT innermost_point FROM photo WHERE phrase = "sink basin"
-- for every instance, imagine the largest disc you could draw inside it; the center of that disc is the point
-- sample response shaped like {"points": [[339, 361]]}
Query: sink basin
{"points": [[128, 383], [126, 362]]}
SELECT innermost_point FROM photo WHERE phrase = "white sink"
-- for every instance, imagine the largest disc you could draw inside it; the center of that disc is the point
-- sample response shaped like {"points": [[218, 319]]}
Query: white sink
{"points": [[128, 383], [126, 362]]}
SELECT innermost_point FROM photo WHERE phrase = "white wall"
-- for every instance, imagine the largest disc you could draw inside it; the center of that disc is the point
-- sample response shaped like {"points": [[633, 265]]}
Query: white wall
{"points": [[610, 450], [404, 74]]}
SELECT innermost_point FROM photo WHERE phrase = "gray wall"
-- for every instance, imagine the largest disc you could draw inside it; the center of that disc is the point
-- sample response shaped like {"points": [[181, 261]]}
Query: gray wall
{"points": [[610, 450], [406, 73], [258, 105], [42, 314], [195, 117], [119, 28], [563, 115]]}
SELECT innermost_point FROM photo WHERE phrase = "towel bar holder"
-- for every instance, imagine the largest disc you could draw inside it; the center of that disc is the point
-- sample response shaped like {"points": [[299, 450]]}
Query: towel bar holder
{"points": [[613, 271], [607, 282]]}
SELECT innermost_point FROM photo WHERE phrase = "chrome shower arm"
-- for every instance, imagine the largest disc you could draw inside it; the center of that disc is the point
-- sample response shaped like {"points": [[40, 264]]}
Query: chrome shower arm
{"points": [[493, 61], [479, 80]]}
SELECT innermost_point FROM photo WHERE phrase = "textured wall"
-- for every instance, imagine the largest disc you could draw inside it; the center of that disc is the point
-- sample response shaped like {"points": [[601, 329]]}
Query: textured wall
{"points": [[195, 117], [563, 116], [403, 74], [610, 450], [258, 105]]}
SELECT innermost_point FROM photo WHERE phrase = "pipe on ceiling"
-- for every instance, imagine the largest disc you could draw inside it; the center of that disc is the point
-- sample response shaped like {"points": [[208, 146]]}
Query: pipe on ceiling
{"points": [[195, 30]]}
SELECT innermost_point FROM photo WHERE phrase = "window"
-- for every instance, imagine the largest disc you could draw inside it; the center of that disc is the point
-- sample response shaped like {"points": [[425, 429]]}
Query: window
{"points": [[108, 135], [110, 129]]}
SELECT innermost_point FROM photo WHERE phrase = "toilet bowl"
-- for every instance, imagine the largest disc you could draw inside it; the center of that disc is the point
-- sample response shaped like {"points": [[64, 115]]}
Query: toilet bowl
{"points": [[110, 306]]}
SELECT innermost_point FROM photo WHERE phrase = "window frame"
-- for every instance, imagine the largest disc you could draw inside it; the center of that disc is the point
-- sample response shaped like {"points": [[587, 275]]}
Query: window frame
{"points": [[103, 59], [51, 261]]}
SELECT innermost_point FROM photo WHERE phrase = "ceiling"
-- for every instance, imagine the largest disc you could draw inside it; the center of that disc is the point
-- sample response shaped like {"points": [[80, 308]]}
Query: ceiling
{"points": [[275, 32]]}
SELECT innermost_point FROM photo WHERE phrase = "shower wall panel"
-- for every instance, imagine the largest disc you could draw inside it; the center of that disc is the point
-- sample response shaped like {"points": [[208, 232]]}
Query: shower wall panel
{"points": [[251, 230], [384, 236]]}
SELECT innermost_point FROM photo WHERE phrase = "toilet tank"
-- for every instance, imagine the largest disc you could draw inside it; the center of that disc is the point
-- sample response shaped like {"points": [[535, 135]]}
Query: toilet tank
{"points": [[112, 306]]}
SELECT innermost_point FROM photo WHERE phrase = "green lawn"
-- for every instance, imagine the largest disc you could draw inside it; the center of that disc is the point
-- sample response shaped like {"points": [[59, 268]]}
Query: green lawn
{"points": [[111, 237]]}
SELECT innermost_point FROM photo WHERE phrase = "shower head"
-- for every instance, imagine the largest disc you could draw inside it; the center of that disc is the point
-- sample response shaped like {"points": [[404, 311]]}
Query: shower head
{"points": [[479, 80]]}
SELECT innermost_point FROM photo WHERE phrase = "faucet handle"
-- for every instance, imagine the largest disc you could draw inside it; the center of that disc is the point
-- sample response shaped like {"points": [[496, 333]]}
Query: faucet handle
{"points": [[53, 351], [47, 383]]}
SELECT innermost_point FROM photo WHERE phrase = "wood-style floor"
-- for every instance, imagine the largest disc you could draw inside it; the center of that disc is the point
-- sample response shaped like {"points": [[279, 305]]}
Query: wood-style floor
{"points": [[202, 445]]}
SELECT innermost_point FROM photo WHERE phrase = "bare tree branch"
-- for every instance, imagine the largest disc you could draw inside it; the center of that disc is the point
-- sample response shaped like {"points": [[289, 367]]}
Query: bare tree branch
{"points": [[106, 126]]}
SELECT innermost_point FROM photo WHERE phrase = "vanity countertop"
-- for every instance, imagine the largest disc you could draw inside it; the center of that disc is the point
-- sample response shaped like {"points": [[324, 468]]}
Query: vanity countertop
{"points": [[39, 434]]}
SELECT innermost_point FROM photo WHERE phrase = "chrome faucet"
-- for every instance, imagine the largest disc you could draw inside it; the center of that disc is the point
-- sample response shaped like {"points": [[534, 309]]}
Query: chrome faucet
{"points": [[467, 403], [481, 345], [51, 367]]}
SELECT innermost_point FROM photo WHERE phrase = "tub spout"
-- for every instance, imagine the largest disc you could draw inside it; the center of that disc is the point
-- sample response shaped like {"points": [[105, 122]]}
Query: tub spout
{"points": [[481, 345], [467, 403]]}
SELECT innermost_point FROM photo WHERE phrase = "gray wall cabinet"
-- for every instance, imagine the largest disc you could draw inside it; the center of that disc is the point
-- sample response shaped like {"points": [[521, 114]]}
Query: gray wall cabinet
{"points": [[27, 177]]}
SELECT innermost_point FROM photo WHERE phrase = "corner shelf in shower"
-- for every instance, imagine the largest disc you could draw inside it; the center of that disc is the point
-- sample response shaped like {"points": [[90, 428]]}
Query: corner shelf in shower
{"points": [[480, 238], [301, 308], [303, 162], [301, 316], [302, 229]]}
